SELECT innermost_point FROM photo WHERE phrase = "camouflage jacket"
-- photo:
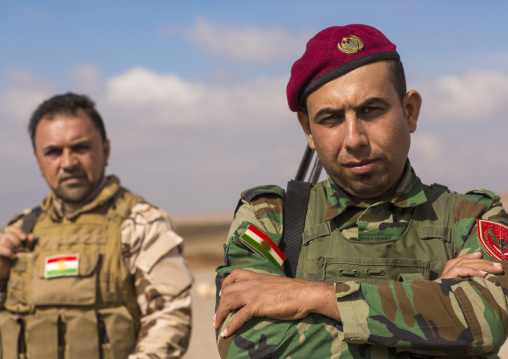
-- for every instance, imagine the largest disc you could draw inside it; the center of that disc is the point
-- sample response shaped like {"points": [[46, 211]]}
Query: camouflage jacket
{"points": [[449, 317], [163, 291]]}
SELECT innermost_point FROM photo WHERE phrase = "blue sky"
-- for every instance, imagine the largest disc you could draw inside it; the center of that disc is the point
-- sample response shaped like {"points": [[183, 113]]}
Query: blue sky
{"points": [[193, 93]]}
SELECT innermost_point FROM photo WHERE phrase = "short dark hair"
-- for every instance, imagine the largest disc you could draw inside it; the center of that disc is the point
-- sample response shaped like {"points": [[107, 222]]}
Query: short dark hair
{"points": [[398, 77], [69, 103]]}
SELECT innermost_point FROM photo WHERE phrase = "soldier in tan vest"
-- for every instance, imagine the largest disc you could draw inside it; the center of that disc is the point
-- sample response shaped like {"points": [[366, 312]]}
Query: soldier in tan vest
{"points": [[95, 271]]}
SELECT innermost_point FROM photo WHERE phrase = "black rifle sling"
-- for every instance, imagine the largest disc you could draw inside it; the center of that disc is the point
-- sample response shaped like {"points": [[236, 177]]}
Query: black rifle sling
{"points": [[30, 219], [295, 210]]}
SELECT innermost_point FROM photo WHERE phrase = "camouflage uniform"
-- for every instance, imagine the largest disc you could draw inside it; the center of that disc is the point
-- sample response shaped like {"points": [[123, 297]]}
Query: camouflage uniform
{"points": [[162, 289], [454, 317]]}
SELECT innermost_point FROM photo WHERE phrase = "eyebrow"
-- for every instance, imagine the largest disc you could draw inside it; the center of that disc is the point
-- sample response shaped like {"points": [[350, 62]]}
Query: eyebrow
{"points": [[49, 148], [368, 102], [55, 147]]}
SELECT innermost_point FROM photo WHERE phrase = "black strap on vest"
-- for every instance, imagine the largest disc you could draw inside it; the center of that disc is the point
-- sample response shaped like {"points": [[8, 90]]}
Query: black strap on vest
{"points": [[30, 219], [295, 210]]}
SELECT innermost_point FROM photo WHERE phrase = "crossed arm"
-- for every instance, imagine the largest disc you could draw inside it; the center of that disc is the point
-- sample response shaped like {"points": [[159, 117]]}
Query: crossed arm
{"points": [[263, 295], [463, 313]]}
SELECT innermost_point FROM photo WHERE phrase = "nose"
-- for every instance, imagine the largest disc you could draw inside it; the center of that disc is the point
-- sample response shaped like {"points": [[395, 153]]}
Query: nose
{"points": [[355, 135], [69, 160]]}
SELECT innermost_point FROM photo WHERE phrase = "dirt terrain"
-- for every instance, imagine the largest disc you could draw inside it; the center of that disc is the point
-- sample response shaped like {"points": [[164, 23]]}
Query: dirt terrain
{"points": [[204, 237]]}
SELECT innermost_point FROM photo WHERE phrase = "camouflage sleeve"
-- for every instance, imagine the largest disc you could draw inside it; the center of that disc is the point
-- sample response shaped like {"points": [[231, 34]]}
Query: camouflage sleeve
{"points": [[263, 337], [443, 317], [153, 253]]}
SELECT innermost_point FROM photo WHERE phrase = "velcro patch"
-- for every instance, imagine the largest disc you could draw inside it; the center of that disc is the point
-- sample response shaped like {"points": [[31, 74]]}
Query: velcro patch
{"points": [[261, 243], [494, 238], [61, 266]]}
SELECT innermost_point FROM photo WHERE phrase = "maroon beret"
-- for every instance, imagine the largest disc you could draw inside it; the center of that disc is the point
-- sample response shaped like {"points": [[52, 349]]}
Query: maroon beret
{"points": [[333, 52]]}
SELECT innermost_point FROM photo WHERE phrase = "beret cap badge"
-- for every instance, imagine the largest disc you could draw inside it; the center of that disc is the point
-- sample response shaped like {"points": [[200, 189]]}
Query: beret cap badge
{"points": [[331, 53], [350, 45]]}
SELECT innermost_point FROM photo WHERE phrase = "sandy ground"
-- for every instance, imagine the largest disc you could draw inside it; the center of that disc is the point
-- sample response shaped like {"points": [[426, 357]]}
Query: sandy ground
{"points": [[202, 344], [204, 236]]}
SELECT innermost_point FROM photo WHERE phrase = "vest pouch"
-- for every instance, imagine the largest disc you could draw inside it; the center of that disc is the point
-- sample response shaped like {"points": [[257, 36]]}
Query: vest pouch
{"points": [[120, 332], [10, 330], [81, 334], [42, 335], [18, 286], [371, 270], [65, 279]]}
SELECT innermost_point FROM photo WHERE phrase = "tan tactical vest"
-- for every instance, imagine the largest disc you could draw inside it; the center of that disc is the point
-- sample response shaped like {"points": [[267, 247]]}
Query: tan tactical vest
{"points": [[72, 295]]}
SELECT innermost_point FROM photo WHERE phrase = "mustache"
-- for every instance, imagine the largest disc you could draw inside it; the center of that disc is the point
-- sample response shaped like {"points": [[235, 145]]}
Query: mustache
{"points": [[75, 172], [361, 155]]}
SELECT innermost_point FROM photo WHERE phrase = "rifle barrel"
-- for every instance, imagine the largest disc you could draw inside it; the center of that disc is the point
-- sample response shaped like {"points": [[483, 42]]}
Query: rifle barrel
{"points": [[316, 171], [304, 164]]}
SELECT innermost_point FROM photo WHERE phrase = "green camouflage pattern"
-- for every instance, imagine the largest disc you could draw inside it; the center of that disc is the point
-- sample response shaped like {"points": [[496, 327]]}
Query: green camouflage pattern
{"points": [[450, 317]]}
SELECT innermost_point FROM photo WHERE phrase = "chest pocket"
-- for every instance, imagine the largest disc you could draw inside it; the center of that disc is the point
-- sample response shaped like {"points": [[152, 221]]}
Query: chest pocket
{"points": [[65, 279], [371, 270]]}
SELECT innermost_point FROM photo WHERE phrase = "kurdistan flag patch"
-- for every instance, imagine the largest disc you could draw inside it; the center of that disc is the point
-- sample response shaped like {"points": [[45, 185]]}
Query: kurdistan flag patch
{"points": [[261, 243], [61, 265]]}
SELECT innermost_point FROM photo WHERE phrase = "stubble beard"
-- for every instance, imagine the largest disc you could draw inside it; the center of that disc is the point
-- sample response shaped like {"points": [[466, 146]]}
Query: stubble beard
{"points": [[359, 186], [367, 186], [74, 194]]}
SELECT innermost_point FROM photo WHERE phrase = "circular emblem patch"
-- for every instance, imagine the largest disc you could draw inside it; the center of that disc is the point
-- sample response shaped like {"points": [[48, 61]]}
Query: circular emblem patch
{"points": [[494, 238], [350, 45]]}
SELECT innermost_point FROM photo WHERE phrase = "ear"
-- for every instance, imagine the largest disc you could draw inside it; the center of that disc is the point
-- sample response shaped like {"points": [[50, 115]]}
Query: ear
{"points": [[107, 150], [303, 118], [412, 103]]}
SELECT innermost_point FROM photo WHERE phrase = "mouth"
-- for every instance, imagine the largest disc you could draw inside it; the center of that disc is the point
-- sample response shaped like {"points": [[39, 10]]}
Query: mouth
{"points": [[72, 179], [361, 167]]}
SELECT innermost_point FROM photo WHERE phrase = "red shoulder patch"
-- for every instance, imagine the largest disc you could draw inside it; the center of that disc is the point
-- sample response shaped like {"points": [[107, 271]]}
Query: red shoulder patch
{"points": [[494, 238]]}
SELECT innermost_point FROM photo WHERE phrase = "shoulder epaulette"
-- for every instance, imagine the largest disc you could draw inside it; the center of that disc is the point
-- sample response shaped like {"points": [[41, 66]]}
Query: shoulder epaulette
{"points": [[249, 194], [494, 196]]}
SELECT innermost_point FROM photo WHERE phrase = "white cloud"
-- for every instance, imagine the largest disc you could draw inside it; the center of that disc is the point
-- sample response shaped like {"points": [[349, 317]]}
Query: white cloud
{"points": [[22, 94], [143, 88], [475, 96], [166, 98], [248, 44]]}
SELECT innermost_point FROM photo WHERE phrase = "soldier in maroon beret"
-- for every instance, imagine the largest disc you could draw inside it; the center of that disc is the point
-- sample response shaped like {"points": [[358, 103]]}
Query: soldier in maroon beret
{"points": [[369, 263]]}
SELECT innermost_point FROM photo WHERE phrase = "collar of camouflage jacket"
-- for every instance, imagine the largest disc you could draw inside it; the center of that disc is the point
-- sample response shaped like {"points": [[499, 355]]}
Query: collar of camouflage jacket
{"points": [[409, 193]]}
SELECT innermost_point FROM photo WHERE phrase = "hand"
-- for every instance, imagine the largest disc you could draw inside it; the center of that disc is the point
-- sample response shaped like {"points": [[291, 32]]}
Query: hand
{"points": [[10, 241], [470, 265], [265, 295]]}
